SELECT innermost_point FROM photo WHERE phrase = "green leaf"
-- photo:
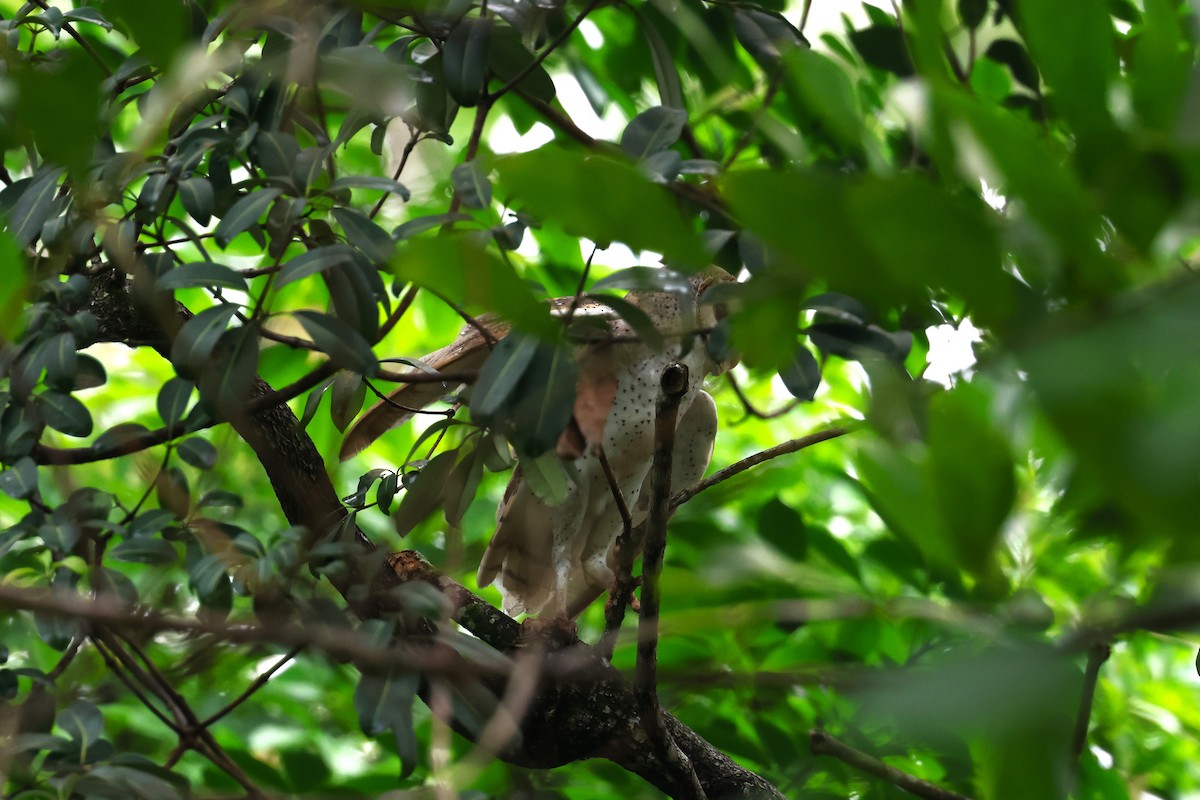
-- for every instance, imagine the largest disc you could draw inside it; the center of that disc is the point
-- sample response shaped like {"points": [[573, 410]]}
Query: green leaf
{"points": [[196, 339], [822, 87], [471, 184], [173, 400], [500, 375], [1077, 67], [344, 346], [201, 274], [465, 58], [12, 288], [389, 484], [62, 360], [424, 494], [59, 107], [883, 47], [601, 198], [198, 452], [421, 224], [384, 703], [226, 380], [471, 276], [244, 213], [349, 389], [972, 12], [363, 233], [28, 215], [803, 375], [544, 401], [766, 35], [196, 194], [65, 413], [508, 56], [312, 402], [145, 550], [314, 261], [782, 526], [666, 73], [1012, 55], [275, 153], [652, 131], [546, 477], [369, 182], [20, 480]]}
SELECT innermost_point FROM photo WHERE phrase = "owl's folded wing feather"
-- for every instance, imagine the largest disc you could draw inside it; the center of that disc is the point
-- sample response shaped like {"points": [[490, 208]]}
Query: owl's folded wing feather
{"points": [[465, 354]]}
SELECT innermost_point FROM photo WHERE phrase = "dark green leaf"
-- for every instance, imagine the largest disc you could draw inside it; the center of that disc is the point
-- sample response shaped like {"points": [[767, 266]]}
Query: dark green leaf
{"points": [[465, 58], [244, 213], [370, 182], [62, 360], [344, 346], [314, 261], [196, 339], [471, 184], [196, 194], [422, 224], [803, 375], [198, 452], [201, 274], [388, 486], [652, 131], [27, 216], [425, 493], [972, 12], [500, 375], [1013, 55], [65, 413], [144, 550], [312, 402], [548, 182], [765, 35], [173, 400], [883, 47], [363, 233], [20, 480], [544, 400], [349, 389]]}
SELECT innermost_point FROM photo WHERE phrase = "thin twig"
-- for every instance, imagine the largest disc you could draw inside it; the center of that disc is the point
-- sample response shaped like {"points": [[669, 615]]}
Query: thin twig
{"points": [[339, 643], [258, 683], [750, 461], [674, 383], [414, 139], [623, 582], [550, 47], [822, 744], [83, 43], [749, 408], [1098, 653]]}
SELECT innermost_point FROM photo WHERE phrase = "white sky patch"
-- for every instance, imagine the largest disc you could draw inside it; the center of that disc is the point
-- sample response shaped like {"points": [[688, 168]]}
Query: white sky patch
{"points": [[577, 107], [950, 350], [504, 138], [591, 34]]}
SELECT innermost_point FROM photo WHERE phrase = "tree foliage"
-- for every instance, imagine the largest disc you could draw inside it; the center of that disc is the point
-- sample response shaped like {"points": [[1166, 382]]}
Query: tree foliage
{"points": [[228, 226]]}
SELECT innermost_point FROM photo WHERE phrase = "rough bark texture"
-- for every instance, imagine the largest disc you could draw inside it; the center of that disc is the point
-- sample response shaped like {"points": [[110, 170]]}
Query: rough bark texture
{"points": [[582, 708]]}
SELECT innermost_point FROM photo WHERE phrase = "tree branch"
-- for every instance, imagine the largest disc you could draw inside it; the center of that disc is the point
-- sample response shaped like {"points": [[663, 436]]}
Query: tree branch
{"points": [[822, 744]]}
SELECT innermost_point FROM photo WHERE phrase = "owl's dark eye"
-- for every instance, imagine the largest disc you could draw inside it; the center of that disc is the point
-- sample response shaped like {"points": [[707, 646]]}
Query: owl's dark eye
{"points": [[720, 311]]}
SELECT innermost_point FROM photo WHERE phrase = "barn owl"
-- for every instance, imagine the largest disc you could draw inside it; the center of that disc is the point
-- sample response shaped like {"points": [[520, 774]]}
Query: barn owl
{"points": [[556, 559]]}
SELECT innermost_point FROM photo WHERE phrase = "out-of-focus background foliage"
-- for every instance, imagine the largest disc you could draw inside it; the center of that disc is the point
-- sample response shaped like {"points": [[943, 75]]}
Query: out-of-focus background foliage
{"points": [[977, 222]]}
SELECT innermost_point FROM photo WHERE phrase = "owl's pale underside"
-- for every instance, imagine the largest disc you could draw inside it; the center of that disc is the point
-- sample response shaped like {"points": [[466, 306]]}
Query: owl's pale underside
{"points": [[556, 559]]}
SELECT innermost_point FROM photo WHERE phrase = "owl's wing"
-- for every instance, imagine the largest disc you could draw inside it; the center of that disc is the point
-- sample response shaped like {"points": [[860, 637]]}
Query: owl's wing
{"points": [[465, 354], [520, 556], [695, 434]]}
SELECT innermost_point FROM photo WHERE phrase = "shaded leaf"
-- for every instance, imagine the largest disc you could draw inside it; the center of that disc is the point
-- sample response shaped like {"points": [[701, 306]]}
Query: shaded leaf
{"points": [[244, 213]]}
